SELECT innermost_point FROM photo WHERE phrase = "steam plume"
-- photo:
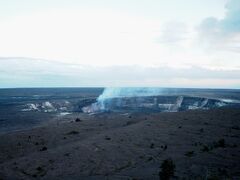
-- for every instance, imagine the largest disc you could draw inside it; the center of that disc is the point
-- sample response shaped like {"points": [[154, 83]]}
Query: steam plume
{"points": [[115, 92], [128, 92]]}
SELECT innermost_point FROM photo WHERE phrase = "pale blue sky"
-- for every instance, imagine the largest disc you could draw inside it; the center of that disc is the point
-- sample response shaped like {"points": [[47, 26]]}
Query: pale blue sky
{"points": [[173, 9], [92, 36]]}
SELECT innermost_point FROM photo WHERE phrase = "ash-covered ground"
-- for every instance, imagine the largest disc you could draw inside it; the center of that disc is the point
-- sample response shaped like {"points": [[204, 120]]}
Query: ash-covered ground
{"points": [[67, 134], [30, 107]]}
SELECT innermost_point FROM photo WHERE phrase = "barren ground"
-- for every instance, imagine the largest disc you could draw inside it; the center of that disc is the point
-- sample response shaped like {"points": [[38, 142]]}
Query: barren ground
{"points": [[202, 144]]}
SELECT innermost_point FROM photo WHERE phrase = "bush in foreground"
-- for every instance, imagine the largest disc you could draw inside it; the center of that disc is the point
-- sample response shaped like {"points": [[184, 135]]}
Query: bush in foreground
{"points": [[167, 169]]}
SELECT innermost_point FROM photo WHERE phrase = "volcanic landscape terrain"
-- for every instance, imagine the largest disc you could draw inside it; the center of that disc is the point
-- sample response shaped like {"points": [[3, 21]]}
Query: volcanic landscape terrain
{"points": [[184, 134]]}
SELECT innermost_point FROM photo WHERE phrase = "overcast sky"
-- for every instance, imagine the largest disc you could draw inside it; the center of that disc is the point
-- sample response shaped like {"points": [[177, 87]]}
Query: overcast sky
{"points": [[173, 43]]}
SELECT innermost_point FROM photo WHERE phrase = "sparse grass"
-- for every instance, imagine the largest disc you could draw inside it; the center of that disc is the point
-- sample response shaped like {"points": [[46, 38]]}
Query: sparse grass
{"points": [[219, 144], [129, 164], [164, 147], [43, 148], [205, 148], [213, 177], [152, 145], [107, 138], [150, 158], [129, 123]]}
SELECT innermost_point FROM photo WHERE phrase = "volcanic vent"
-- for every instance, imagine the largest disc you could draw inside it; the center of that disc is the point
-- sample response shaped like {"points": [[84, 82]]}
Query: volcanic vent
{"points": [[147, 101]]}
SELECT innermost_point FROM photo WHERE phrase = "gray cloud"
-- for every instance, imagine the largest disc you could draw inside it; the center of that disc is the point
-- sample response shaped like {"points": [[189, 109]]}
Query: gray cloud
{"points": [[22, 72], [223, 34]]}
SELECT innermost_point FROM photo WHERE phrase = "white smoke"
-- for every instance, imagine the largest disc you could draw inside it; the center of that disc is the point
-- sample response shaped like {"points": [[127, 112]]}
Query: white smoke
{"points": [[120, 99], [116, 92], [113, 92]]}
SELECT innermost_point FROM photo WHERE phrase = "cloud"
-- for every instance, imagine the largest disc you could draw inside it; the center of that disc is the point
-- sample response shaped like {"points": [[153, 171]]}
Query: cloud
{"points": [[84, 36], [173, 32], [222, 34], [231, 23], [27, 72]]}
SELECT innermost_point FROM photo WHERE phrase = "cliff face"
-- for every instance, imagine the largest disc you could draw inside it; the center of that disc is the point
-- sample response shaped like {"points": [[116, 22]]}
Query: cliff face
{"points": [[157, 103]]}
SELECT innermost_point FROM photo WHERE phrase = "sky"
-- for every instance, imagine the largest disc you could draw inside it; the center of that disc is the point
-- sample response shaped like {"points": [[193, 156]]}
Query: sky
{"points": [[153, 43]]}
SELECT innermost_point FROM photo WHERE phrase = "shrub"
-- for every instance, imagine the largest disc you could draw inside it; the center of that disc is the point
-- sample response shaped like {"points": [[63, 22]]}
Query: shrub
{"points": [[189, 153], [220, 143], [77, 120], [167, 169]]}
